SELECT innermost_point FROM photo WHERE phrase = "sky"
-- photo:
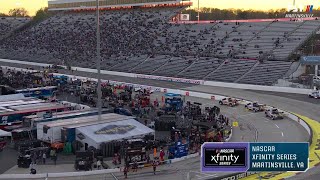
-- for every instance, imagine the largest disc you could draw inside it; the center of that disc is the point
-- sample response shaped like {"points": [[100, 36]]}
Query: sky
{"points": [[33, 5]]}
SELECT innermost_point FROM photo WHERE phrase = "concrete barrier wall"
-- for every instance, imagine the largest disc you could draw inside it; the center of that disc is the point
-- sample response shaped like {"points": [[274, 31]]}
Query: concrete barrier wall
{"points": [[190, 81], [259, 87]]}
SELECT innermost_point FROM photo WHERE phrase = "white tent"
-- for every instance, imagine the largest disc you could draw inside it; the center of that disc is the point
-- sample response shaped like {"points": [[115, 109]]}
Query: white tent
{"points": [[118, 130], [4, 133]]}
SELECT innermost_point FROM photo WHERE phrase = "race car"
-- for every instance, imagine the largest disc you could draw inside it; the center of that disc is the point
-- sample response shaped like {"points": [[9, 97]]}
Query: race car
{"points": [[229, 101], [255, 107], [315, 94], [274, 114]]}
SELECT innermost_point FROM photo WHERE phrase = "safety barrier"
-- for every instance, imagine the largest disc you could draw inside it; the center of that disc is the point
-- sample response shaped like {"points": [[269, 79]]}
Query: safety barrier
{"points": [[171, 79], [303, 121]]}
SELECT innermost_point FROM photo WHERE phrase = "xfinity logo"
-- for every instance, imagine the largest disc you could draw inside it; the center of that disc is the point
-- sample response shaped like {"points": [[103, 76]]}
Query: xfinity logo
{"points": [[225, 159]]}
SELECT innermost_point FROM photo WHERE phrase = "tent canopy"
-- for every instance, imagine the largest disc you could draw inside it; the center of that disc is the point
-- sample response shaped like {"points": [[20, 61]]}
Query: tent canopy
{"points": [[4, 133], [117, 130]]}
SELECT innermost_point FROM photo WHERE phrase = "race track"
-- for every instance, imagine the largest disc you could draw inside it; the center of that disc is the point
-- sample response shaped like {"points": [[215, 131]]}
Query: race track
{"points": [[253, 127], [268, 130]]}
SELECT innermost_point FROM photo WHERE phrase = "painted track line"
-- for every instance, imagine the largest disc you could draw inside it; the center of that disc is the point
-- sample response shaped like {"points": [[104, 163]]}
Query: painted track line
{"points": [[314, 160]]}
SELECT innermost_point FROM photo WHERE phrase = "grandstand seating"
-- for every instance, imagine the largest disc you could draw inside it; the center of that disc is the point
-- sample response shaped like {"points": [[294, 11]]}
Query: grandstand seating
{"points": [[8, 24], [231, 70], [266, 73], [128, 63], [142, 41], [151, 64], [200, 68], [174, 66]]}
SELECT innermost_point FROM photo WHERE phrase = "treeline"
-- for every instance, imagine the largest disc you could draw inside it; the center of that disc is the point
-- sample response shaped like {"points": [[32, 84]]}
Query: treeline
{"points": [[227, 14], [21, 12], [16, 12], [41, 15]]}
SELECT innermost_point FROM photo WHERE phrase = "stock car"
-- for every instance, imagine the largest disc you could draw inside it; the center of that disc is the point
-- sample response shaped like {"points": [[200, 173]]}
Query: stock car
{"points": [[255, 107], [274, 114], [229, 101], [315, 95]]}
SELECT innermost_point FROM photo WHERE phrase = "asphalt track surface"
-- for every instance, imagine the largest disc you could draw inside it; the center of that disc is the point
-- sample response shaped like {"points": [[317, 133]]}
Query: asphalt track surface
{"points": [[253, 127], [300, 104]]}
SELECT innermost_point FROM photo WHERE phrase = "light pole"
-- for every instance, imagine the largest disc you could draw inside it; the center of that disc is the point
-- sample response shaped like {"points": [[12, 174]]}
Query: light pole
{"points": [[99, 103], [198, 11]]}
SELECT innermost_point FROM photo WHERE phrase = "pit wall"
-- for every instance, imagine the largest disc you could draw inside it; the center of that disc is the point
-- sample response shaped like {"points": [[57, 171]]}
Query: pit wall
{"points": [[311, 126], [172, 79]]}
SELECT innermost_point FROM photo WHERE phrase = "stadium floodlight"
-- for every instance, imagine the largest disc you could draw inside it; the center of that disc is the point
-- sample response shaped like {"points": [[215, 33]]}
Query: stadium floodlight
{"points": [[99, 101], [198, 11]]}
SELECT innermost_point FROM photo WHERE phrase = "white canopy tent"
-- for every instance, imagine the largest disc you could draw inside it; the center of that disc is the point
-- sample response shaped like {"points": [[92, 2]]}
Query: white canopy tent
{"points": [[127, 129], [5, 133]]}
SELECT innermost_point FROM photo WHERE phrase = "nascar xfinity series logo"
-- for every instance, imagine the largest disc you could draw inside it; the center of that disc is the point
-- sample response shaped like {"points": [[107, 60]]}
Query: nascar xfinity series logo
{"points": [[225, 157], [299, 11]]}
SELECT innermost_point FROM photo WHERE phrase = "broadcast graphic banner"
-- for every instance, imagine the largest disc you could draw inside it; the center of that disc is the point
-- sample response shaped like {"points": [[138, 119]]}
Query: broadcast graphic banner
{"points": [[243, 157]]}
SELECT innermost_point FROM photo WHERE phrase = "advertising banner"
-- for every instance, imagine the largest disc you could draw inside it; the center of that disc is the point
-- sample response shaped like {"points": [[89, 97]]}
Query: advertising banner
{"points": [[310, 60], [184, 17], [162, 78]]}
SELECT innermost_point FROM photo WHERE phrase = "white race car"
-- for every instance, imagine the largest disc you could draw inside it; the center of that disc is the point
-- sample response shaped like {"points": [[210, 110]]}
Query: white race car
{"points": [[274, 114], [315, 94], [255, 107]]}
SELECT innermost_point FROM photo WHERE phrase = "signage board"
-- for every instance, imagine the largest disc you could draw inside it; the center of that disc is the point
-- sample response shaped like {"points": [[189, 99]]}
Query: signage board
{"points": [[255, 157], [310, 60]]}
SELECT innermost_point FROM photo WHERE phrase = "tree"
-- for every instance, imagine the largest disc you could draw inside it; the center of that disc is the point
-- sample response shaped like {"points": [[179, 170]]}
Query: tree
{"points": [[3, 15], [41, 14], [18, 12]]}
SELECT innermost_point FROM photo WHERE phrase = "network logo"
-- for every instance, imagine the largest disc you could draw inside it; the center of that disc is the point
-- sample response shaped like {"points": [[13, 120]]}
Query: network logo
{"points": [[295, 9], [309, 8]]}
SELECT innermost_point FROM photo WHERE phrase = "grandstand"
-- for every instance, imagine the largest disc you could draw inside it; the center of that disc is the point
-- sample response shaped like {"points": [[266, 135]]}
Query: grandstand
{"points": [[141, 39], [8, 24]]}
